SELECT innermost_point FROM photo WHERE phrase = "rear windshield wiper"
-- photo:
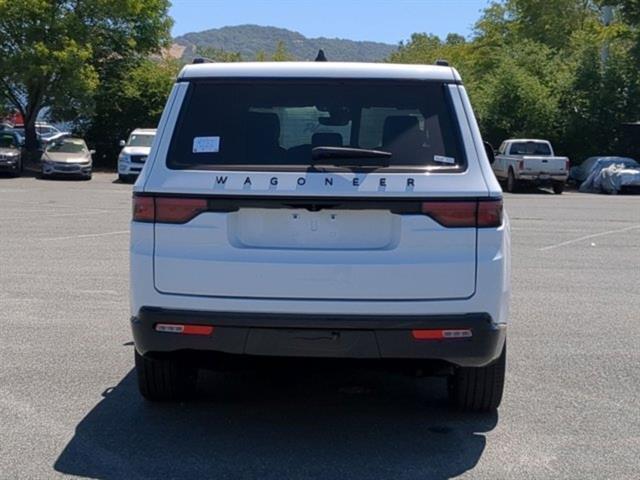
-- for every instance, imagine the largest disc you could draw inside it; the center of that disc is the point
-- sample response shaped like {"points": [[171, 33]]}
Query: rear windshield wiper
{"points": [[349, 156]]}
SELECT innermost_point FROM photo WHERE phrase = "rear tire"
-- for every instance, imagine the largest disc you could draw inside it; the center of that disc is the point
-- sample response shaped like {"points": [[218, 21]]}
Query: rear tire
{"points": [[512, 182], [165, 379], [558, 187], [478, 389], [123, 178]]}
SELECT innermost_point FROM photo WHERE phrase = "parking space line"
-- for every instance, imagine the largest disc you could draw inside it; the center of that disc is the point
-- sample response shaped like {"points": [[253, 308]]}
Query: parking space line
{"points": [[57, 215], [587, 237], [90, 235]]}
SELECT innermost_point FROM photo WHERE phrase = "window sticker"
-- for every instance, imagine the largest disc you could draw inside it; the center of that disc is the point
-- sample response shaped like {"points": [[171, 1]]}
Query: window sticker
{"points": [[441, 159], [206, 144]]}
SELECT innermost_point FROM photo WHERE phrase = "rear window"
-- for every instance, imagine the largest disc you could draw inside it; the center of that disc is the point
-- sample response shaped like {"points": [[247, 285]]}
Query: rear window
{"points": [[530, 148], [140, 140], [260, 123]]}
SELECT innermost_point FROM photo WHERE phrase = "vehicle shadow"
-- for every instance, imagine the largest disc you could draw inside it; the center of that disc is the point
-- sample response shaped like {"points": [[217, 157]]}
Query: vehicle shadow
{"points": [[315, 424]]}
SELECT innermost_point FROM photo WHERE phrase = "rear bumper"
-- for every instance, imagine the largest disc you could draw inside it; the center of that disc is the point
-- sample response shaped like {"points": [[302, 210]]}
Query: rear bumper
{"points": [[542, 178], [328, 336]]}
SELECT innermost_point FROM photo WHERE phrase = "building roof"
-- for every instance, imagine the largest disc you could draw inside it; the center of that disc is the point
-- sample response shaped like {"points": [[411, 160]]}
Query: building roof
{"points": [[319, 70]]}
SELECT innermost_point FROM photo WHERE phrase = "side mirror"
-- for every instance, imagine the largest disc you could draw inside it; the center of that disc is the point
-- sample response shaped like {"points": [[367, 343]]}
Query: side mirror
{"points": [[92, 152], [491, 155], [122, 143]]}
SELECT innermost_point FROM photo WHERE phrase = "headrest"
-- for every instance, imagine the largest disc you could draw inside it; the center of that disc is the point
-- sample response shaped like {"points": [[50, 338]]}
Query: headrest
{"points": [[264, 126], [397, 126], [327, 139]]}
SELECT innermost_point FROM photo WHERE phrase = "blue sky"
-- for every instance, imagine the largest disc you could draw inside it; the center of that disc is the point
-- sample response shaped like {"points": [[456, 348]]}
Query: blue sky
{"points": [[384, 21]]}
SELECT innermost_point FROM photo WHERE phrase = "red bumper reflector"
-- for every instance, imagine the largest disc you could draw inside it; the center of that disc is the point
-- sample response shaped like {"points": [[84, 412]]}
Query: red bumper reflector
{"points": [[441, 334], [184, 329]]}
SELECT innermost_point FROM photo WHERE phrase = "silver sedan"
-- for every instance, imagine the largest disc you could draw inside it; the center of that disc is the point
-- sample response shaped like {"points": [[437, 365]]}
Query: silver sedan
{"points": [[67, 156]]}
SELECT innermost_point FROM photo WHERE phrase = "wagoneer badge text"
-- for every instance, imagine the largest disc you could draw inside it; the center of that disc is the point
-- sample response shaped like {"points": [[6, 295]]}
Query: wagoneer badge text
{"points": [[289, 182]]}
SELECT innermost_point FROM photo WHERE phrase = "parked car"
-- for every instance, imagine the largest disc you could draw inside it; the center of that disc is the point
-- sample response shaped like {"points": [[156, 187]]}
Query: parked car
{"points": [[331, 210], [10, 153], [607, 175], [67, 156], [531, 161], [579, 173], [134, 153], [46, 131], [17, 131]]}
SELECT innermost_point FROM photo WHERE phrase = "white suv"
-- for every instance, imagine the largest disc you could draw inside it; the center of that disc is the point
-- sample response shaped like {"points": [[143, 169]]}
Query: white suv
{"points": [[328, 210], [134, 153]]}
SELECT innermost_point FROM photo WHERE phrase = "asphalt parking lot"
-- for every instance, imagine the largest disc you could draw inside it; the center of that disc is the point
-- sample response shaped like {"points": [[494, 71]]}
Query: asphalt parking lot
{"points": [[69, 404]]}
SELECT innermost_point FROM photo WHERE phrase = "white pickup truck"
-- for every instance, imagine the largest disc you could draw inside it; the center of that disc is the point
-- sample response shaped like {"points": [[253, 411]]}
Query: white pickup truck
{"points": [[522, 161]]}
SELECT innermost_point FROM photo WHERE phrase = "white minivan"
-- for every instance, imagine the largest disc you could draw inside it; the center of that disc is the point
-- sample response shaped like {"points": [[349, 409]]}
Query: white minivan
{"points": [[318, 209]]}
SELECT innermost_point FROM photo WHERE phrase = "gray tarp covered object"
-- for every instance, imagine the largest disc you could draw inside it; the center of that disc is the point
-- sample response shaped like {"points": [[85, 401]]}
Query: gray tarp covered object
{"points": [[611, 179]]}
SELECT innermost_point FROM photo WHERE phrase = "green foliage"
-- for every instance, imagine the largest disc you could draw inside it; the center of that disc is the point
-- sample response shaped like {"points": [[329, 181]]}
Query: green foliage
{"points": [[281, 54], [218, 55], [629, 11], [54, 54], [546, 69], [133, 97]]}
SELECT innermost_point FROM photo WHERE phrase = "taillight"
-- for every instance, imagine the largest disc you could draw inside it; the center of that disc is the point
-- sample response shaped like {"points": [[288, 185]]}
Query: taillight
{"points": [[143, 209], [452, 214], [461, 214], [167, 209], [490, 213], [568, 164], [178, 210]]}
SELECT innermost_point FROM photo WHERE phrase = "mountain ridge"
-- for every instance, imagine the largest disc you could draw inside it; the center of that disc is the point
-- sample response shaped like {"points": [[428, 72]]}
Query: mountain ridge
{"points": [[251, 40]]}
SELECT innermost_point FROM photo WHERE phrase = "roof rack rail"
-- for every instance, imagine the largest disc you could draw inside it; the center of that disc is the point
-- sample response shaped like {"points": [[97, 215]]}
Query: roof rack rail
{"points": [[199, 60], [442, 62]]}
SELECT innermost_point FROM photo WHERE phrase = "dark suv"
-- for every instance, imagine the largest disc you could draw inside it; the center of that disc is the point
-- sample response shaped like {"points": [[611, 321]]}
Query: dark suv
{"points": [[10, 153]]}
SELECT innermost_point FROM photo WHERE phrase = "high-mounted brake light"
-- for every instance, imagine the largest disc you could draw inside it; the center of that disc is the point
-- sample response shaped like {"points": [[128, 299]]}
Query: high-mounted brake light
{"points": [[465, 213], [167, 209]]}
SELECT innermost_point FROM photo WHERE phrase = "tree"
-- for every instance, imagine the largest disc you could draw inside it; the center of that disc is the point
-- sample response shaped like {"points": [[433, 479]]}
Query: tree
{"points": [[537, 68], [551, 22], [219, 55], [281, 54], [53, 54], [630, 12], [128, 98]]}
